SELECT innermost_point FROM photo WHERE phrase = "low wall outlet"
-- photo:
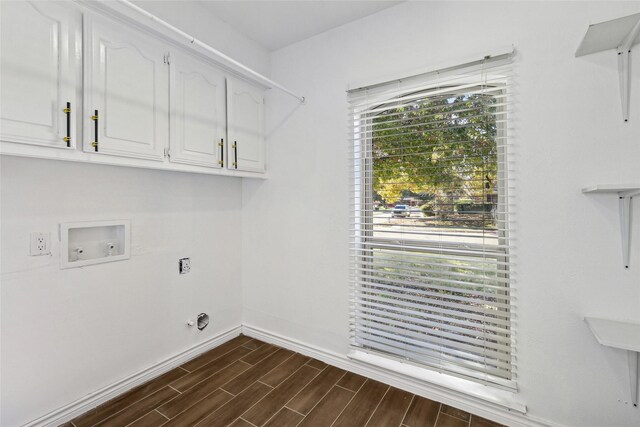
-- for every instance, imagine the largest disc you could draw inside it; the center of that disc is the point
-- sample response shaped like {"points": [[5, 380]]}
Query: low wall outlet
{"points": [[40, 244], [184, 265]]}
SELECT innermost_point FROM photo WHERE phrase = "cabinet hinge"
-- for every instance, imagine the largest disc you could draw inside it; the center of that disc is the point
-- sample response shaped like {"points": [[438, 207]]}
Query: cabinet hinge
{"points": [[167, 59], [167, 153]]}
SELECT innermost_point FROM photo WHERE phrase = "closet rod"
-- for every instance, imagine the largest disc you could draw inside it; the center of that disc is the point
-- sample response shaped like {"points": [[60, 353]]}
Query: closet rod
{"points": [[193, 41]]}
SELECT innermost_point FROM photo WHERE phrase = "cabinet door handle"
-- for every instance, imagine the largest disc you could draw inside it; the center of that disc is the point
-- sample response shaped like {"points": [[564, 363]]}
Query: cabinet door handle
{"points": [[235, 154], [94, 144], [67, 112], [221, 144]]}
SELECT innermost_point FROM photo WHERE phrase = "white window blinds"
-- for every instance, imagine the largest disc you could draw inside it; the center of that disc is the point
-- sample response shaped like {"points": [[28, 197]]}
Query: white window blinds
{"points": [[430, 258]]}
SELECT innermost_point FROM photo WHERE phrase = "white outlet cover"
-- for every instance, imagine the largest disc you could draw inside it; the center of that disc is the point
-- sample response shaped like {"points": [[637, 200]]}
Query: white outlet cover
{"points": [[40, 243]]}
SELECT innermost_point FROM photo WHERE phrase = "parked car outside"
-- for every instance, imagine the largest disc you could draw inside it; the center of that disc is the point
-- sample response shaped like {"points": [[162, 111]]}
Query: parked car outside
{"points": [[401, 211]]}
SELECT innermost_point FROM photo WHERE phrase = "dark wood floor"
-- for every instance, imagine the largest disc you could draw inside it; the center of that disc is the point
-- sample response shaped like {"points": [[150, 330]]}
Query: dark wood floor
{"points": [[246, 382]]}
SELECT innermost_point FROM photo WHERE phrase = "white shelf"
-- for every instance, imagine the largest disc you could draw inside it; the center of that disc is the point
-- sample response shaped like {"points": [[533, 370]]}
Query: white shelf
{"points": [[612, 188], [613, 333], [619, 35], [608, 35], [621, 335], [625, 197]]}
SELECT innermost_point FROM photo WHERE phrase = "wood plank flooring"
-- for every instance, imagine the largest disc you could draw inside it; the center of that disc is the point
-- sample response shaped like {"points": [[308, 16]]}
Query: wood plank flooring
{"points": [[249, 383]]}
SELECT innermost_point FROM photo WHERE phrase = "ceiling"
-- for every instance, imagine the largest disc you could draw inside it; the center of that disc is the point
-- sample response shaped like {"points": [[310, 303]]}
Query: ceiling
{"points": [[276, 24]]}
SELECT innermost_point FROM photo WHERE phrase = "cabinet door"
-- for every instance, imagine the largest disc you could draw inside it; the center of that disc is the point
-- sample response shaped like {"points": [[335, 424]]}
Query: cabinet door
{"points": [[245, 115], [198, 119], [39, 69], [127, 83]]}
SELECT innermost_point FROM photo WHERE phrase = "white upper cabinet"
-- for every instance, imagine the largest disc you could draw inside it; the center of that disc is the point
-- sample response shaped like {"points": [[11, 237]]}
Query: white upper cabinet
{"points": [[245, 115], [198, 113], [127, 83], [82, 83], [40, 65]]}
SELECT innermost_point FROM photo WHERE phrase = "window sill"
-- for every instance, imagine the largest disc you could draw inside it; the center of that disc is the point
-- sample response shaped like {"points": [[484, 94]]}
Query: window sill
{"points": [[504, 398]]}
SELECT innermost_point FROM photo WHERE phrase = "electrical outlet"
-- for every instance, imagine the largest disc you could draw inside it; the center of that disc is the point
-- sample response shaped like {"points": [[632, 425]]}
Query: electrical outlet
{"points": [[184, 265], [40, 244]]}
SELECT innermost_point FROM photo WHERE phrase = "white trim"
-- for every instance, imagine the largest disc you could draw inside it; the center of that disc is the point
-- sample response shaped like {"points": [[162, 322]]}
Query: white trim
{"points": [[459, 399], [91, 400], [401, 75], [9, 148], [492, 394], [491, 364], [190, 41]]}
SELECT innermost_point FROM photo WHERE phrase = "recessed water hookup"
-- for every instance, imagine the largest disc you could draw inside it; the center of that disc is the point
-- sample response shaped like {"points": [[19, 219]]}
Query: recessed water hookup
{"points": [[203, 320], [93, 242]]}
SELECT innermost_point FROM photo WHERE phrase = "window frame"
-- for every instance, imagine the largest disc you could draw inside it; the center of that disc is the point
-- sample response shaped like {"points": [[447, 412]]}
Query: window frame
{"points": [[365, 242]]}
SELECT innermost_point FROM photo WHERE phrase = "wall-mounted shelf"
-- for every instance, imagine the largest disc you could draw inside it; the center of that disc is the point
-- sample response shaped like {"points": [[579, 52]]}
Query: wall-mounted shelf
{"points": [[622, 335], [619, 34], [625, 196]]}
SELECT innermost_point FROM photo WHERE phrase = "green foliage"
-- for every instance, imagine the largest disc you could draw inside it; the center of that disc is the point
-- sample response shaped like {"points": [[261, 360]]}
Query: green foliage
{"points": [[428, 209], [441, 146], [438, 206]]}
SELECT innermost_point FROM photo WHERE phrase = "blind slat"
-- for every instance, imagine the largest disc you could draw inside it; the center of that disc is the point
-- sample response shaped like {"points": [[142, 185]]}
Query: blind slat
{"points": [[445, 313], [410, 271], [435, 309], [474, 345], [424, 351], [438, 284], [363, 118], [424, 132], [447, 343], [487, 87]]}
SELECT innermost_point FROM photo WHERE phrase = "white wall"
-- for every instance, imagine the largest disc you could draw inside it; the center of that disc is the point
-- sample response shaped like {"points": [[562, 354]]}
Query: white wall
{"points": [[198, 21], [568, 134], [68, 333]]}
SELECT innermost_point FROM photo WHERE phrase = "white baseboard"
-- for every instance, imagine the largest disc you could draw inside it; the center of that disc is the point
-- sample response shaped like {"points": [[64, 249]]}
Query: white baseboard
{"points": [[72, 410], [459, 400]]}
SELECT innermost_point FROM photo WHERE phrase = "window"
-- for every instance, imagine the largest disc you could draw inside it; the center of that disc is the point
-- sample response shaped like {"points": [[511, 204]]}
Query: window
{"points": [[431, 267]]}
